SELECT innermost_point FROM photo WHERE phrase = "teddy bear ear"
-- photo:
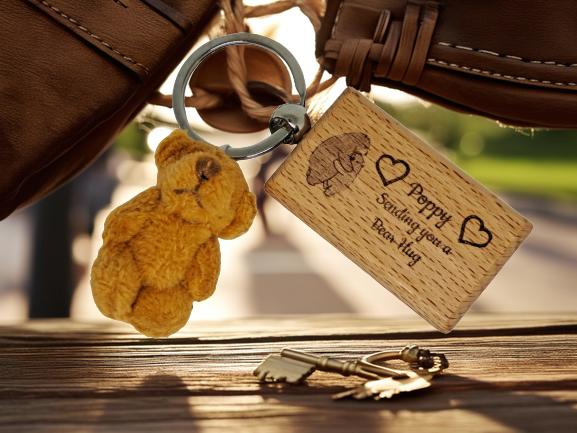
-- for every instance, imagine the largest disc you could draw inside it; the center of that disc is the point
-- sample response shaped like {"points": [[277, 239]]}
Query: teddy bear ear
{"points": [[174, 147]]}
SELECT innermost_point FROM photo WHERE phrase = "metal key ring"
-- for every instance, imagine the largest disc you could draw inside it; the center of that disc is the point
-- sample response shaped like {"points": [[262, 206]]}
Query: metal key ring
{"points": [[420, 360], [288, 122]]}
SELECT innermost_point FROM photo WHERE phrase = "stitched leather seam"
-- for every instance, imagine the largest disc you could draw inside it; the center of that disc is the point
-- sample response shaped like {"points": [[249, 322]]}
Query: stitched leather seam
{"points": [[496, 74], [92, 35], [508, 56]]}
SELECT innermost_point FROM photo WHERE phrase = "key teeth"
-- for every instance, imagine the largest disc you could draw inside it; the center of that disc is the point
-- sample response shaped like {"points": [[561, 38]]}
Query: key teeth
{"points": [[259, 372], [386, 394], [270, 378], [276, 368], [295, 381]]}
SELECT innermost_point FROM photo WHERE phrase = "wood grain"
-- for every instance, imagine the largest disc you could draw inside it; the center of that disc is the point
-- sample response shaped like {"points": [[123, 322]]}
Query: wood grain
{"points": [[399, 209], [519, 374]]}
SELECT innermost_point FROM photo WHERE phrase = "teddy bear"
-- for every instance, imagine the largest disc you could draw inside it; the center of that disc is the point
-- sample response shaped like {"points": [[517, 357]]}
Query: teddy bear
{"points": [[161, 250]]}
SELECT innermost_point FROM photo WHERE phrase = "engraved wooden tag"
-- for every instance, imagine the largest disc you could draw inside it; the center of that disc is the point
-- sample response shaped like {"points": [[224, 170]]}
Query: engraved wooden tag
{"points": [[399, 209]]}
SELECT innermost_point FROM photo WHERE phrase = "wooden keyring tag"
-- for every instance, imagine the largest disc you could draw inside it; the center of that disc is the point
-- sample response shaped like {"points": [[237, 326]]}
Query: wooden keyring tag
{"points": [[399, 209]]}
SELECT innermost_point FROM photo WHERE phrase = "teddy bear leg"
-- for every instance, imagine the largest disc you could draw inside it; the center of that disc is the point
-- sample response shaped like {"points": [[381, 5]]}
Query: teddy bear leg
{"points": [[115, 281], [161, 312], [203, 273]]}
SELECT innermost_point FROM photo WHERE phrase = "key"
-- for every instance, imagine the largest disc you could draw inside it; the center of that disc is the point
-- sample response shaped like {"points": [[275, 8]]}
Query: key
{"points": [[386, 388], [421, 361], [294, 366], [344, 368], [275, 368]]}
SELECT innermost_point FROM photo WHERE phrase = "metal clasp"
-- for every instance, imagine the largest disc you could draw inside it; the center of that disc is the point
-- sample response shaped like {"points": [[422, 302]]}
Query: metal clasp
{"points": [[288, 122]]}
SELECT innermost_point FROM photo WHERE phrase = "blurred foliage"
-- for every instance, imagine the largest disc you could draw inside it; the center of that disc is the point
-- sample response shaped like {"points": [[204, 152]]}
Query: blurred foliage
{"points": [[133, 141], [512, 160], [522, 161]]}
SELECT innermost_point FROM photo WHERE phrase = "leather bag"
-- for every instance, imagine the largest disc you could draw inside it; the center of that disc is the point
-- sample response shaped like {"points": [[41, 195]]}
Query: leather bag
{"points": [[510, 60], [73, 74]]}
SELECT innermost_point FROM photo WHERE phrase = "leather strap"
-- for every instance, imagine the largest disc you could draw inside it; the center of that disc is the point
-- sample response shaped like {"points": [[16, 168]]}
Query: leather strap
{"points": [[358, 76], [406, 43], [461, 54], [101, 29], [398, 50], [178, 19], [382, 26], [388, 50], [421, 48], [345, 54]]}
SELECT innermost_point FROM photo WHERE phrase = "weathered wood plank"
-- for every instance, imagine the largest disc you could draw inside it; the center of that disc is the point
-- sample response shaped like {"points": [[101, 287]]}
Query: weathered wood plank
{"points": [[284, 327], [520, 376], [518, 362], [468, 412]]}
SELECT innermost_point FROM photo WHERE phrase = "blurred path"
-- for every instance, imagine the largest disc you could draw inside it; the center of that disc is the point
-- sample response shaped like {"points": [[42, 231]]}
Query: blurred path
{"points": [[15, 240], [296, 271], [542, 275]]}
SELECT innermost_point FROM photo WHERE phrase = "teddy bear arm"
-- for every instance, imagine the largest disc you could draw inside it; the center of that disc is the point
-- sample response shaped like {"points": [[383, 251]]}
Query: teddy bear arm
{"points": [[115, 281], [203, 272], [244, 215], [127, 220]]}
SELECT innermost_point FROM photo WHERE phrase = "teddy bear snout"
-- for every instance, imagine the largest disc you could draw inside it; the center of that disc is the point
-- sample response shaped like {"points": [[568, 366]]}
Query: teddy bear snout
{"points": [[207, 168]]}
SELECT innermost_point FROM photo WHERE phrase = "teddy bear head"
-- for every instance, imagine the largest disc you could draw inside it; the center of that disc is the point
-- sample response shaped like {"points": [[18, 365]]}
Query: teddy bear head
{"points": [[203, 185]]}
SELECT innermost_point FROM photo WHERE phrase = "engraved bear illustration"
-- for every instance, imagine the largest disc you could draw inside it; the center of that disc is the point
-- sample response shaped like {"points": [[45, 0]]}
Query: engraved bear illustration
{"points": [[337, 161]]}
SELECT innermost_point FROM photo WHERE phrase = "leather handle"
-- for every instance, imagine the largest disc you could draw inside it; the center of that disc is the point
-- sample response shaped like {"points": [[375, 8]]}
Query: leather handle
{"points": [[395, 50], [411, 38]]}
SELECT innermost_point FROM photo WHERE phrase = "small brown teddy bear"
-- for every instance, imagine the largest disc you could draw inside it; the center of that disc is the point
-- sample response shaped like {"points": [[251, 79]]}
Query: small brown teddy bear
{"points": [[160, 250]]}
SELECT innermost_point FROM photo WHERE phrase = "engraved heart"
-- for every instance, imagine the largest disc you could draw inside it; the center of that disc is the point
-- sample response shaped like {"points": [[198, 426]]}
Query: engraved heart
{"points": [[396, 169], [473, 225]]}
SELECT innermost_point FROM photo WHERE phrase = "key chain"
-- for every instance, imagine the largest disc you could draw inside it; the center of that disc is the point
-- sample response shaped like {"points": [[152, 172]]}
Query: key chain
{"points": [[384, 381], [388, 201], [160, 252]]}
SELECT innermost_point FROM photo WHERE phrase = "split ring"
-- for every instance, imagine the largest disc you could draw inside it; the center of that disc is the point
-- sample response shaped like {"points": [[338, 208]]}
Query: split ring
{"points": [[288, 122]]}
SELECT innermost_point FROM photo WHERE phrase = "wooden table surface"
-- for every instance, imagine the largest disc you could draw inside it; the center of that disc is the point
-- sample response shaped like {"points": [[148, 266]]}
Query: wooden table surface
{"points": [[507, 373]]}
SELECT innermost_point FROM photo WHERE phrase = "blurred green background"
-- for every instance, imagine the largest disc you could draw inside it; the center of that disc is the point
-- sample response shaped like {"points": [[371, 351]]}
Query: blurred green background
{"points": [[541, 163], [538, 163]]}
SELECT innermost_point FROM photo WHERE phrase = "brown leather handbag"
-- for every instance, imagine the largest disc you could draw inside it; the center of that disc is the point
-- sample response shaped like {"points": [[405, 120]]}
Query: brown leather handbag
{"points": [[510, 60], [73, 74]]}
